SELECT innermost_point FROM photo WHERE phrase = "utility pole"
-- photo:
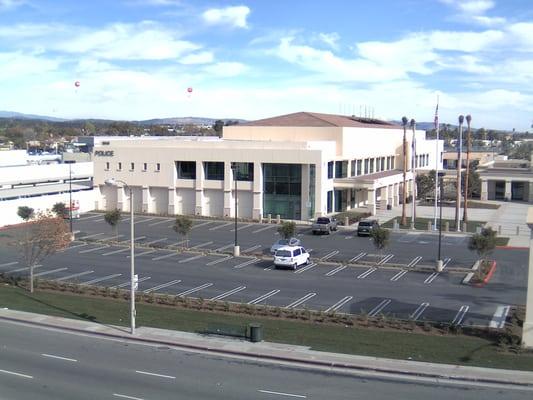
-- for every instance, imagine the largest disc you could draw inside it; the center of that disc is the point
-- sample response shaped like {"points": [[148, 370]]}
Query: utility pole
{"points": [[465, 210], [413, 172], [404, 147], [459, 162]]}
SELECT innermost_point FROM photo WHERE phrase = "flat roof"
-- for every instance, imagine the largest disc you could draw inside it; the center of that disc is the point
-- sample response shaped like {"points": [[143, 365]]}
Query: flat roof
{"points": [[43, 190]]}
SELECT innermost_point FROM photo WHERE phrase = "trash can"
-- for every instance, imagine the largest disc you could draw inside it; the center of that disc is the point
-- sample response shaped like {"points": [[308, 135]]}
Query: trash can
{"points": [[256, 333]]}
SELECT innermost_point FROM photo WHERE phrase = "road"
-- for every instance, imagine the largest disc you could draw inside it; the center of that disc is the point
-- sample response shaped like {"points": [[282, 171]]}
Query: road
{"points": [[327, 284], [37, 363]]}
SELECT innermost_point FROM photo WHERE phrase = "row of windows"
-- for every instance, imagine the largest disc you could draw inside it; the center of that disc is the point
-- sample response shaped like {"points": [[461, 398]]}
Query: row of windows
{"points": [[421, 160], [214, 170], [339, 169], [132, 166]]}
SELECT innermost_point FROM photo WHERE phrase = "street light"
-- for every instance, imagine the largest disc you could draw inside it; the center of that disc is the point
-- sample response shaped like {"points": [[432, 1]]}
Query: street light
{"points": [[133, 282], [70, 162], [439, 257], [236, 248]]}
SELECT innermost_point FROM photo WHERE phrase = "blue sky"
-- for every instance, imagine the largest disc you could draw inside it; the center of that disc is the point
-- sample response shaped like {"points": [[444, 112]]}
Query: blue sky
{"points": [[135, 59]]}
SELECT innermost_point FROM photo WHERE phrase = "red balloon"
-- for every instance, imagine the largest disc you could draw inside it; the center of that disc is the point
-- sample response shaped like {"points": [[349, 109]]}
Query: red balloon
{"points": [[77, 83], [189, 90]]}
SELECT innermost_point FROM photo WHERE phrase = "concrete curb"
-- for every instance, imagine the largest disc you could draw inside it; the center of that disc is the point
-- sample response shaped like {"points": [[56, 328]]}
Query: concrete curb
{"points": [[283, 358]]}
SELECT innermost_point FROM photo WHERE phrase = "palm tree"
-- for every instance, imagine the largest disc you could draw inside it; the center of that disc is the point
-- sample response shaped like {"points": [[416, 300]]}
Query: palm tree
{"points": [[458, 195], [413, 171], [465, 213], [404, 146]]}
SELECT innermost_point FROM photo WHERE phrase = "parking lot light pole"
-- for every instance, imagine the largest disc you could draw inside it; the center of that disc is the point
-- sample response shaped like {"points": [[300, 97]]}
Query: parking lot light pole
{"points": [[70, 193], [133, 281], [236, 248], [441, 198]]}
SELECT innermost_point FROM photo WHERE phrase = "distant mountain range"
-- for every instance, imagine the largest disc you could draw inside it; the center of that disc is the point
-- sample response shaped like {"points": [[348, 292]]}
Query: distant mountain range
{"points": [[16, 115]]}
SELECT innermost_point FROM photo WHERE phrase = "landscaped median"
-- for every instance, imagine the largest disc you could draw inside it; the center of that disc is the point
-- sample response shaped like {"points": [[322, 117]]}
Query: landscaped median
{"points": [[341, 333]]}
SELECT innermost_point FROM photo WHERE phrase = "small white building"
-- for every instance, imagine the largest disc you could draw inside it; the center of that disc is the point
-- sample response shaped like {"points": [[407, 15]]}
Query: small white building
{"points": [[298, 166]]}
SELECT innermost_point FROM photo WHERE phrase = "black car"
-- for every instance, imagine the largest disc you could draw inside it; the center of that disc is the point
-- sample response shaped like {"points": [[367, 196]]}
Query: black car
{"points": [[366, 226]]}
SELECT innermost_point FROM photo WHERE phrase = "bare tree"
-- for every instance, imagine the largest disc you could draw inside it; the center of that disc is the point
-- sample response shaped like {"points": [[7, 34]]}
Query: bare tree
{"points": [[42, 237], [465, 212], [113, 217], [459, 165], [182, 226]]}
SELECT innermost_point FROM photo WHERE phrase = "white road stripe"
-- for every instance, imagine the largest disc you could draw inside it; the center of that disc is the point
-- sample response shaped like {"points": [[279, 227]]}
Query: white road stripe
{"points": [[386, 258], [239, 228], [339, 304], [59, 358], [159, 222], [116, 251], [143, 220], [222, 259], [114, 237], [220, 226], [202, 224], [123, 396], [103, 278], [264, 297], [164, 256], [414, 261], [306, 268], [9, 264], [155, 241], [23, 269], [50, 272], [16, 374], [224, 247], [301, 396], [419, 311], [245, 263], [195, 289], [301, 300], [257, 246], [127, 283], [431, 278], [191, 258], [367, 273], [399, 275], [158, 375], [458, 320], [377, 309], [64, 278], [228, 293], [201, 245], [264, 228], [163, 285], [90, 236], [90, 217], [93, 249], [357, 257], [74, 247], [499, 317], [334, 271], [139, 238], [177, 243], [143, 253], [329, 255]]}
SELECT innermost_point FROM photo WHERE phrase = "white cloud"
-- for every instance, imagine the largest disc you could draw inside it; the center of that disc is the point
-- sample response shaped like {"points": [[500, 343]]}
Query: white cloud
{"points": [[203, 57], [29, 31], [330, 39], [234, 16], [10, 4], [226, 69], [487, 21], [473, 11], [19, 65]]}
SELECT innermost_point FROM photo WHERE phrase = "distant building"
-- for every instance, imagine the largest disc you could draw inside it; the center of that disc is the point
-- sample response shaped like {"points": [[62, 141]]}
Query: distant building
{"points": [[510, 180]]}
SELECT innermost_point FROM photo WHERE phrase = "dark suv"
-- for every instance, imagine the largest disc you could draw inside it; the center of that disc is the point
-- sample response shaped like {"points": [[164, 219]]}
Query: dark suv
{"points": [[366, 226]]}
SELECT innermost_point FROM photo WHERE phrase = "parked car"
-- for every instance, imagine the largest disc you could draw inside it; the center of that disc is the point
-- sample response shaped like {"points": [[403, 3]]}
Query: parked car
{"points": [[324, 225], [291, 257], [366, 226], [284, 242]]}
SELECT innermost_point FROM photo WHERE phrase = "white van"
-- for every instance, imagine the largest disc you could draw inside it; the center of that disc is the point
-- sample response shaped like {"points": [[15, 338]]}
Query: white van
{"points": [[291, 256]]}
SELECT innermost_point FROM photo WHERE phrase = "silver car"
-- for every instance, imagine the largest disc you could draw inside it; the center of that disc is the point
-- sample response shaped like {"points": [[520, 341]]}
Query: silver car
{"points": [[284, 242]]}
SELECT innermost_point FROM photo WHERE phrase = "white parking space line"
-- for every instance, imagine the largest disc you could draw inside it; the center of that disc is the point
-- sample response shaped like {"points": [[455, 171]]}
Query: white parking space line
{"points": [[116, 251], [414, 261], [398, 275], [52, 271], [202, 224], [334, 271], [409, 237], [3, 371], [357, 257], [163, 285], [386, 258], [264, 228], [458, 320], [164, 256], [159, 222], [301, 300], [143, 253], [123, 396], [140, 221], [9, 264], [93, 249], [139, 238], [101, 279], [245, 263], [23, 269], [90, 217], [144, 278], [64, 278], [377, 309], [499, 317], [264, 297], [91, 236], [257, 246], [73, 247], [306, 268], [329, 255], [191, 258], [339, 304], [198, 246], [59, 357], [195, 289], [419, 311], [222, 259], [301, 396], [434, 275], [155, 241], [154, 374], [224, 247], [228, 293], [220, 226], [114, 237], [239, 228], [177, 243], [367, 273]]}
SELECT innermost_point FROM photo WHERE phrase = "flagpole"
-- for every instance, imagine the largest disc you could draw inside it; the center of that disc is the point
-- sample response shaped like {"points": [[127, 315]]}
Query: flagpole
{"points": [[437, 157]]}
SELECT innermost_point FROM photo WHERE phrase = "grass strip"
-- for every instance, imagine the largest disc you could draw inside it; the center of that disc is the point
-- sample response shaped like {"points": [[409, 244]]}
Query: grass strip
{"points": [[450, 349]]}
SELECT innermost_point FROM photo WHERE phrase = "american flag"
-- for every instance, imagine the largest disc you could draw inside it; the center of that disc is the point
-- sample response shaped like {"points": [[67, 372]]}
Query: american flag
{"points": [[437, 115]]}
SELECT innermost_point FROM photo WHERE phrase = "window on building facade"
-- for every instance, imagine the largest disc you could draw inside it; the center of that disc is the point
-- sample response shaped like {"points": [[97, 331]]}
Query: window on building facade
{"points": [[353, 167], [119, 166], [214, 171], [158, 167], [145, 166], [371, 166], [132, 166], [330, 170], [341, 169], [282, 188], [107, 166], [383, 163], [330, 201], [245, 171], [378, 164], [359, 167], [186, 169], [366, 166], [392, 159], [388, 163]]}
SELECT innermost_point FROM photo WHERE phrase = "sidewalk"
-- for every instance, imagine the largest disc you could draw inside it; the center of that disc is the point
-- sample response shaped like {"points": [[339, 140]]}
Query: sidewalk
{"points": [[275, 352]]}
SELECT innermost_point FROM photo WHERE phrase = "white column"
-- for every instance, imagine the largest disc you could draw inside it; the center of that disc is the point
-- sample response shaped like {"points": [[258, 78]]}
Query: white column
{"points": [[396, 195], [258, 191], [390, 195], [199, 187], [229, 202], [530, 194], [172, 201], [384, 197], [122, 200], [146, 200], [320, 189], [527, 332], [508, 191], [371, 201], [484, 190]]}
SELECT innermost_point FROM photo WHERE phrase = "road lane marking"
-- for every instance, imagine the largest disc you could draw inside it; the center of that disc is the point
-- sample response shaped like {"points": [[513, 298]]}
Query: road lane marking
{"points": [[177, 243], [9, 264], [414, 261], [51, 271], [23, 269], [114, 237], [93, 249], [154, 374], [499, 317], [64, 278], [90, 217], [143, 253], [103, 278], [128, 283], [399, 275], [16, 374], [264, 297], [245, 263], [301, 396], [329, 255], [222, 259], [165, 256], [159, 222], [334, 271], [357, 257], [306, 268], [241, 227], [458, 320], [163, 285], [264, 228], [59, 357], [116, 251], [367, 273], [301, 300], [191, 258], [202, 224], [224, 247], [386, 258], [220, 226], [91, 236], [139, 238], [419, 311], [434, 275], [228, 293], [155, 241], [123, 396], [339, 304], [195, 289], [143, 220], [73, 247], [257, 246], [377, 309], [201, 245]]}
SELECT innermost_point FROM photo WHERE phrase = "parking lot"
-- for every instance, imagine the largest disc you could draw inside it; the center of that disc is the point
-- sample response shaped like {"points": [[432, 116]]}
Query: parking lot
{"points": [[333, 281]]}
